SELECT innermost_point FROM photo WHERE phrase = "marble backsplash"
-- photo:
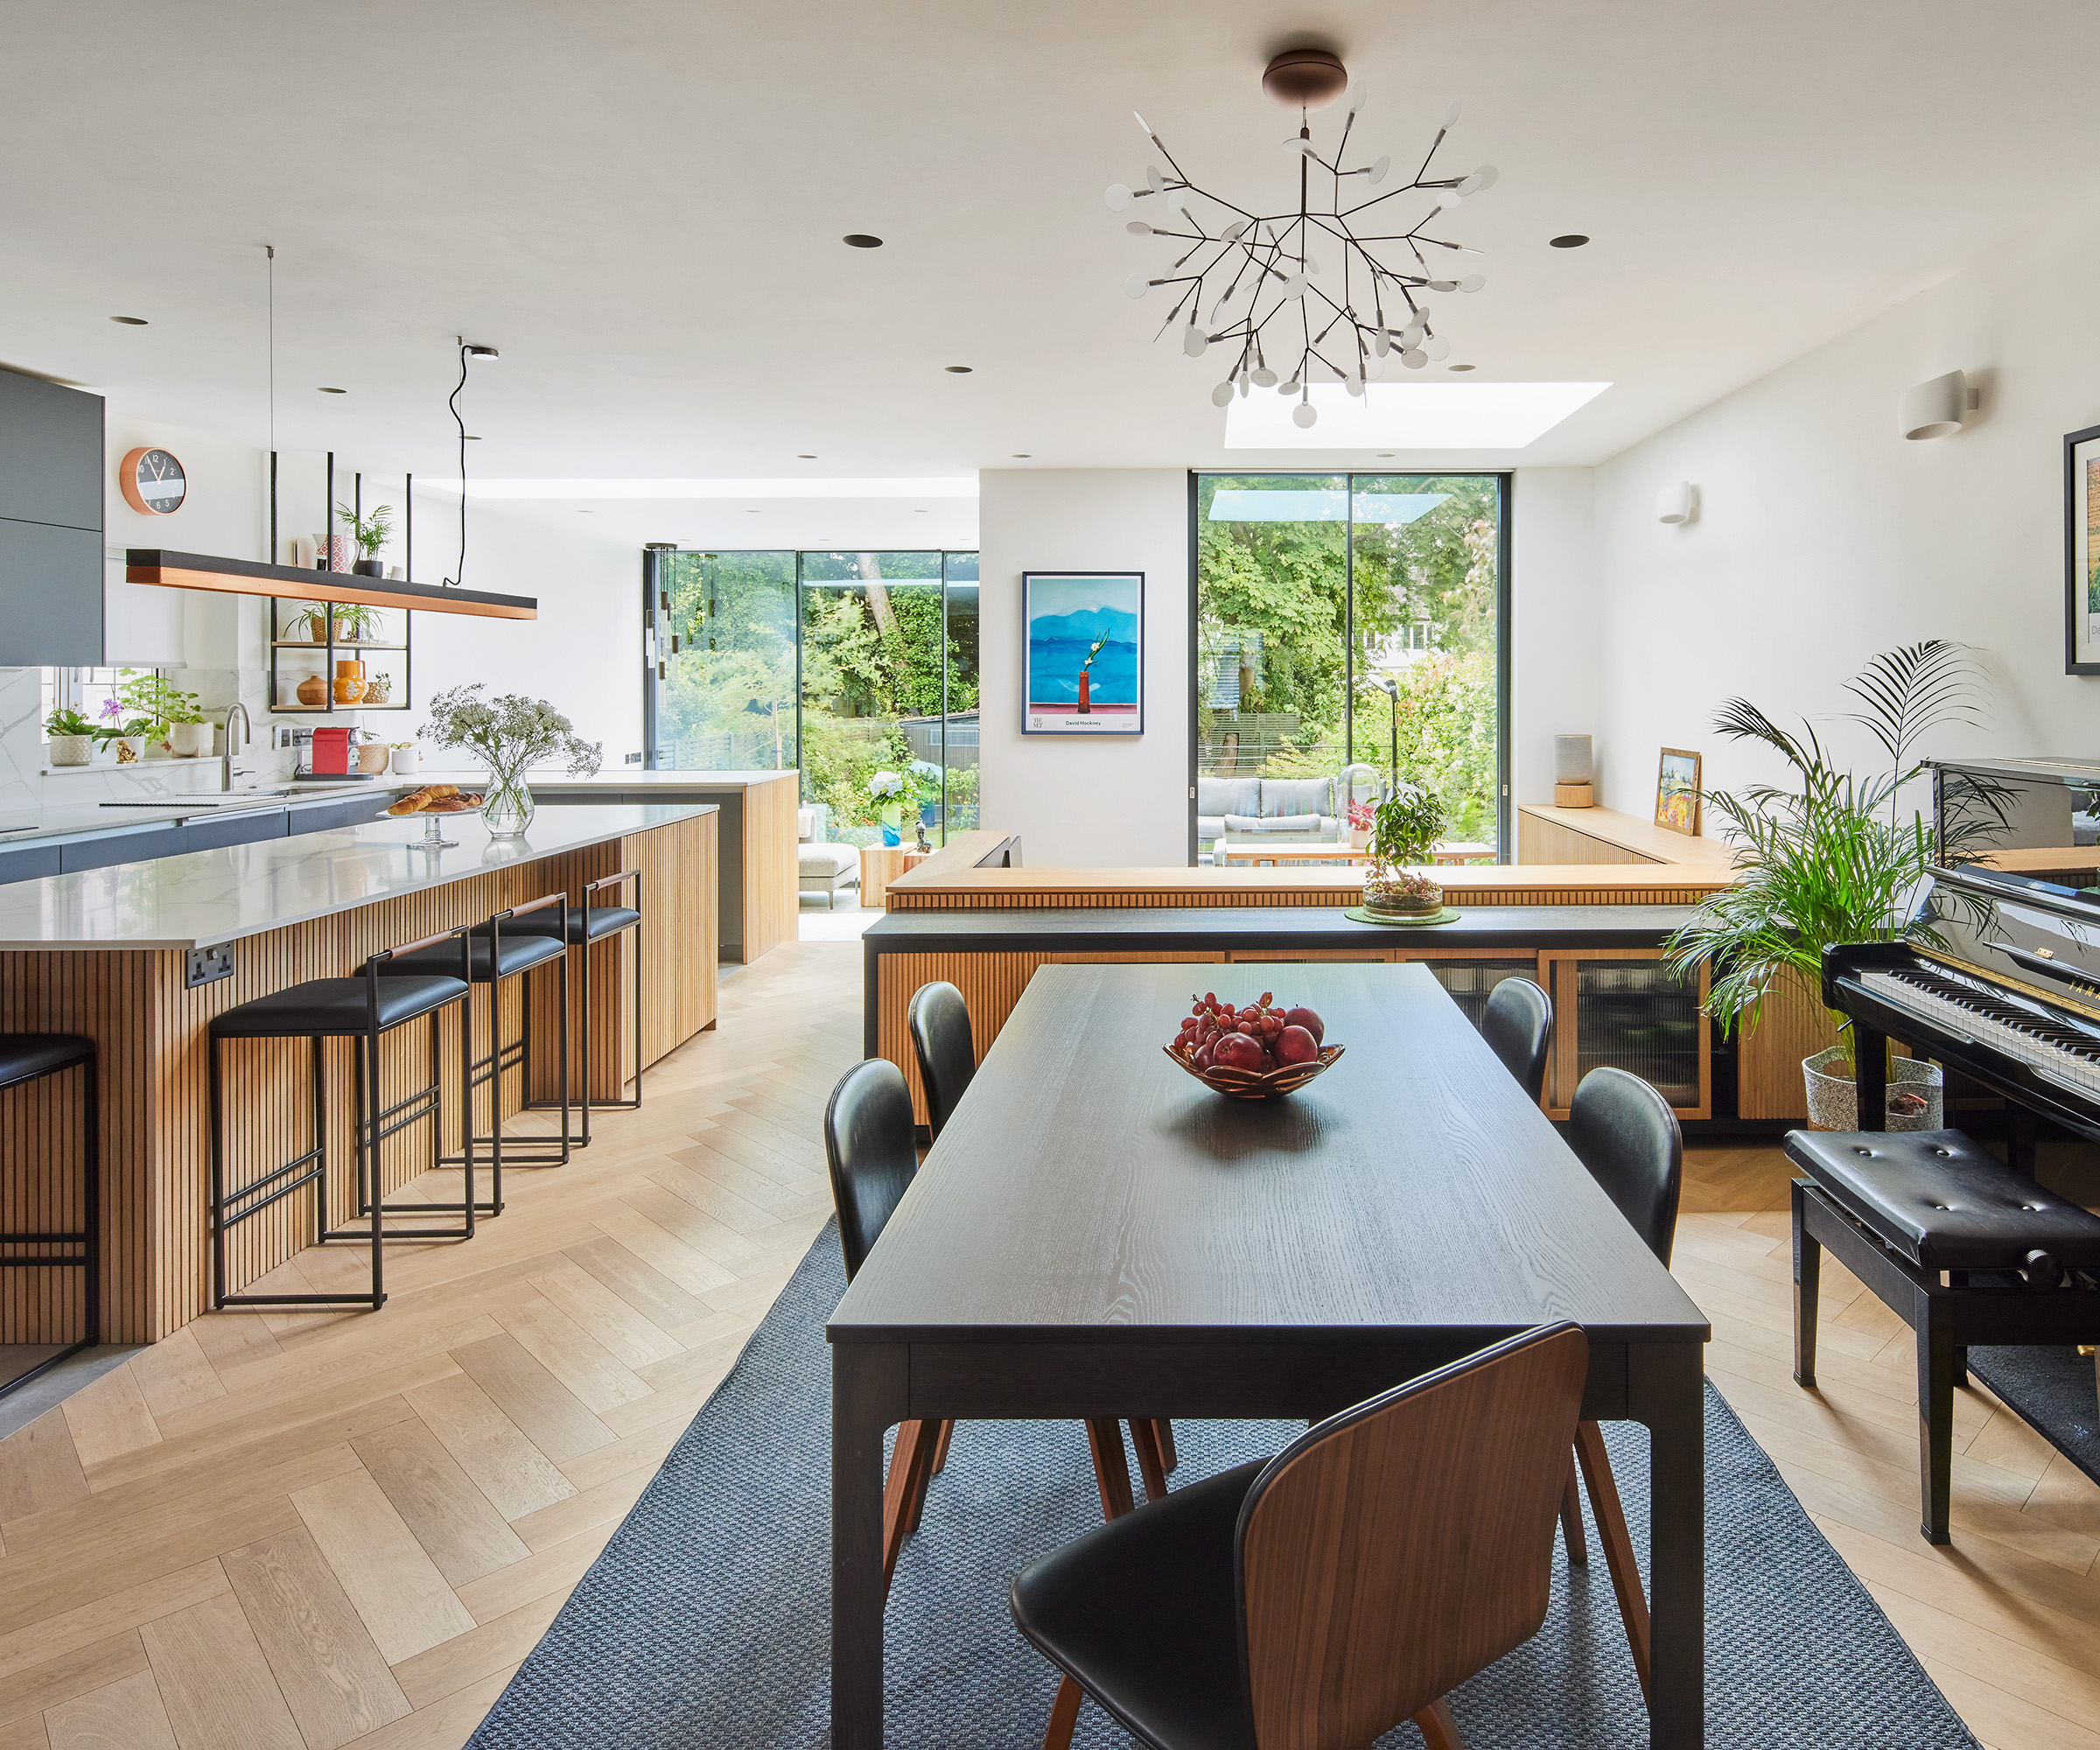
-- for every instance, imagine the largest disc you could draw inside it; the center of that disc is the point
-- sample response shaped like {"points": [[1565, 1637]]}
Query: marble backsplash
{"points": [[26, 784]]}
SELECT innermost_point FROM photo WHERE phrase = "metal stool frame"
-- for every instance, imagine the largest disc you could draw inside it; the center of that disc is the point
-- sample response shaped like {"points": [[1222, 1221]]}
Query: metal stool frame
{"points": [[503, 1056], [89, 1257], [583, 997], [372, 1129]]}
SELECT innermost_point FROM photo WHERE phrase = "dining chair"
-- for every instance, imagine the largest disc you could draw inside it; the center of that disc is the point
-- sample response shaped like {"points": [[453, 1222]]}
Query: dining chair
{"points": [[939, 1022], [1517, 1024], [871, 1147], [1623, 1131], [1352, 1582]]}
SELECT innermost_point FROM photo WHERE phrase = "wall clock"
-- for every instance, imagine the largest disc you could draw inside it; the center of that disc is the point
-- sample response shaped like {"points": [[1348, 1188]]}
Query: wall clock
{"points": [[153, 481]]}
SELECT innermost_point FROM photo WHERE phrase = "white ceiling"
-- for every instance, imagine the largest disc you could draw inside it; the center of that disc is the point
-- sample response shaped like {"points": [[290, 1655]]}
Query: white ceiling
{"points": [[641, 205]]}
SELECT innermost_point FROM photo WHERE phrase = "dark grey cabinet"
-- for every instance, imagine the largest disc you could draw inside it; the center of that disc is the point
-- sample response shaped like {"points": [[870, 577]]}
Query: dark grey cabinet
{"points": [[50, 524], [210, 833], [170, 840], [326, 816], [27, 862]]}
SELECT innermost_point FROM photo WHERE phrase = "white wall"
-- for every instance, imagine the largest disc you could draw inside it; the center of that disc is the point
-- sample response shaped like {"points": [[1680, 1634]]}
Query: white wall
{"points": [[1087, 804], [1558, 644], [1823, 537]]}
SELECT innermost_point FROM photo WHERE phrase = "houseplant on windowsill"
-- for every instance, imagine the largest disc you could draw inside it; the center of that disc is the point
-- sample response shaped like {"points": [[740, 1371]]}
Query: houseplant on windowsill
{"points": [[1829, 858], [72, 736], [158, 711], [510, 734]]}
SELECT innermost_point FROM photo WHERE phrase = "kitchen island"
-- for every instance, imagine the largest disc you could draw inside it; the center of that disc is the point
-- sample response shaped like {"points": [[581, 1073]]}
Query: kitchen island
{"points": [[134, 956]]}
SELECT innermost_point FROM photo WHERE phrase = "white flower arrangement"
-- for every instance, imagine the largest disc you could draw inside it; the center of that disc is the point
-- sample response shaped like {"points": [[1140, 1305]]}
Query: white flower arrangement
{"points": [[510, 732], [885, 785]]}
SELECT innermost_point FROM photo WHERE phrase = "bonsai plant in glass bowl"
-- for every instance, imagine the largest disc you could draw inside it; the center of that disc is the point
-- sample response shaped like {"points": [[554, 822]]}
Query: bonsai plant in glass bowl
{"points": [[1405, 831]]}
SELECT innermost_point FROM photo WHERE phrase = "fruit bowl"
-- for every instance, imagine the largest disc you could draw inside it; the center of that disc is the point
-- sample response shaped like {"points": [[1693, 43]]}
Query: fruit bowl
{"points": [[1255, 1084]]}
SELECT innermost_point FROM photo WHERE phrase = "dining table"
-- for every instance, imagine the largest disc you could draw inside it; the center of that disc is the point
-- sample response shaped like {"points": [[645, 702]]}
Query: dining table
{"points": [[1097, 1234]]}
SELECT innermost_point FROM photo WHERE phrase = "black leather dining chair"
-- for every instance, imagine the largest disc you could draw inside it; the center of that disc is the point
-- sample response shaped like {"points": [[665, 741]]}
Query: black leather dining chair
{"points": [[1623, 1131], [871, 1148], [939, 1023], [1518, 1026], [1414, 1530]]}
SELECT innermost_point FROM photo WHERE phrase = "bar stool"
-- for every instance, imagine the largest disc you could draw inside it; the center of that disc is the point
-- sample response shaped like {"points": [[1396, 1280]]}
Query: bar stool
{"points": [[364, 1007], [29, 1057], [583, 927], [500, 949]]}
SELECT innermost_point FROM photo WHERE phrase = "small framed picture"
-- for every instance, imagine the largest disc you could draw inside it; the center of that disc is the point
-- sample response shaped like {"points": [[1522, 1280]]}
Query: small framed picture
{"points": [[1677, 792], [1084, 663], [2082, 551]]}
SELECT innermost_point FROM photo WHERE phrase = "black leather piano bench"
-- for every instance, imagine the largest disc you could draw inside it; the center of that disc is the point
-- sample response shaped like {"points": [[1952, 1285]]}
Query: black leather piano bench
{"points": [[1966, 1249]]}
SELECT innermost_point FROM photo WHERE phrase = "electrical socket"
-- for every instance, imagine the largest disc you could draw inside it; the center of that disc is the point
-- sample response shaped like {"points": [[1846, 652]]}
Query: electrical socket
{"points": [[207, 965], [283, 734]]}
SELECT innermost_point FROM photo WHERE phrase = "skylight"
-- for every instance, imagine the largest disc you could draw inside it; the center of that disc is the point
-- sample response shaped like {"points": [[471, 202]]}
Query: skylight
{"points": [[1405, 415], [1231, 504]]}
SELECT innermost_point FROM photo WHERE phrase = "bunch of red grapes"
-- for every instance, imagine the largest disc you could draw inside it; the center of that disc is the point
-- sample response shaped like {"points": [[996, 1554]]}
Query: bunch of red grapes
{"points": [[1260, 1036]]}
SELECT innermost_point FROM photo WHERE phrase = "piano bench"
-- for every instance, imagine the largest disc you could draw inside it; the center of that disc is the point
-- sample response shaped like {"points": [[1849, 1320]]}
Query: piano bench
{"points": [[1915, 1216]]}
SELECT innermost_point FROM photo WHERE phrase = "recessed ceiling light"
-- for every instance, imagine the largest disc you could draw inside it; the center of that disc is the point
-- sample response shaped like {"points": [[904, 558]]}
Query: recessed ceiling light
{"points": [[958, 370], [473, 437], [803, 456], [586, 513], [918, 510], [1021, 455], [1387, 455], [1574, 240], [326, 390], [130, 321], [749, 511], [1457, 367], [860, 239]]}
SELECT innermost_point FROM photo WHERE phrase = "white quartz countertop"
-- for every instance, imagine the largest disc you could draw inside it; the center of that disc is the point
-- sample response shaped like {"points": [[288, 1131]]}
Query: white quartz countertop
{"points": [[71, 820], [213, 896], [614, 778]]}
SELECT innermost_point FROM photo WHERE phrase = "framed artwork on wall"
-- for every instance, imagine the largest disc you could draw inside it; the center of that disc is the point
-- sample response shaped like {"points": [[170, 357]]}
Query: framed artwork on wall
{"points": [[1083, 657], [2082, 551], [1677, 792]]}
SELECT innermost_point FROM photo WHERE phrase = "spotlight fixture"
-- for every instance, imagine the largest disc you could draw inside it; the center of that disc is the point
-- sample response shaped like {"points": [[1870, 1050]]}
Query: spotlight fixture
{"points": [[481, 355], [130, 321], [326, 390], [1678, 503], [958, 370], [1247, 276], [860, 239], [1574, 240]]}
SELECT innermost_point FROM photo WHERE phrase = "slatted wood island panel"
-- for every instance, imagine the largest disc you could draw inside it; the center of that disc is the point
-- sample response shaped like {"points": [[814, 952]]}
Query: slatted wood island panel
{"points": [[112, 966]]}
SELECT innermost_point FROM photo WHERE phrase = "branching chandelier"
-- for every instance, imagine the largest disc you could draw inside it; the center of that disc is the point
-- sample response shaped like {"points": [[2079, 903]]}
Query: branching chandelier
{"points": [[1261, 275]]}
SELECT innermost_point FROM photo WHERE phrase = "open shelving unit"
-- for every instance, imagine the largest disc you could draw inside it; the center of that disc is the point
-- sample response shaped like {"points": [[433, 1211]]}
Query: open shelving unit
{"points": [[293, 660]]}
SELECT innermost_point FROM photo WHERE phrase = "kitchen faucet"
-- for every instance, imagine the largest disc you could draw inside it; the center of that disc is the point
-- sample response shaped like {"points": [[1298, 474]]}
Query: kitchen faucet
{"points": [[247, 734]]}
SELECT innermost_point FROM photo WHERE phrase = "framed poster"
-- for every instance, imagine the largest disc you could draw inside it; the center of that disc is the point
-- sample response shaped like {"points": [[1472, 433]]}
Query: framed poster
{"points": [[2082, 551], [1677, 792], [1083, 660]]}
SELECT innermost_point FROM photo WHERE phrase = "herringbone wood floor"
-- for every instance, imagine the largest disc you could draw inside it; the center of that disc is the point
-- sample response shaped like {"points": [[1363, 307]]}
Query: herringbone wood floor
{"points": [[332, 1529]]}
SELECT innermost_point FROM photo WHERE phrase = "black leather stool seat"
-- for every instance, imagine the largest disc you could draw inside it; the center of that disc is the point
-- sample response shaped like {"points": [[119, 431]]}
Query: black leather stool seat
{"points": [[568, 921], [521, 952], [1172, 1660], [24, 1056], [336, 1007], [1942, 1201]]}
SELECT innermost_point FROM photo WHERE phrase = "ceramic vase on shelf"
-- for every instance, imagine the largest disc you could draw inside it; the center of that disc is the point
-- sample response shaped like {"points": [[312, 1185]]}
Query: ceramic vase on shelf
{"points": [[341, 549], [507, 805], [404, 762], [892, 825]]}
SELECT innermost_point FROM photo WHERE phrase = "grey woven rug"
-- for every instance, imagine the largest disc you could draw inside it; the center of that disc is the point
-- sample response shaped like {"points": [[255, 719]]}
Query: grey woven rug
{"points": [[705, 1623], [2051, 1385]]}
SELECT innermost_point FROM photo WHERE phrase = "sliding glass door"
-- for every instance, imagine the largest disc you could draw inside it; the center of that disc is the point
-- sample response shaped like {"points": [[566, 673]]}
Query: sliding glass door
{"points": [[844, 664], [1352, 618]]}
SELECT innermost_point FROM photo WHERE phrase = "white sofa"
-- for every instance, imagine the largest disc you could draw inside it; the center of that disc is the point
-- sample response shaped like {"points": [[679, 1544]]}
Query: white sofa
{"points": [[823, 867]]}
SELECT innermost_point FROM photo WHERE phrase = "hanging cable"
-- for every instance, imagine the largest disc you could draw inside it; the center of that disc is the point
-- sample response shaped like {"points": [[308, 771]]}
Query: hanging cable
{"points": [[452, 402]]}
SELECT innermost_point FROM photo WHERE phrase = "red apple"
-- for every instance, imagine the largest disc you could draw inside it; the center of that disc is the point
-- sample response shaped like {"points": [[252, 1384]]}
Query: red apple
{"points": [[1297, 1044], [1311, 1022], [1237, 1051]]}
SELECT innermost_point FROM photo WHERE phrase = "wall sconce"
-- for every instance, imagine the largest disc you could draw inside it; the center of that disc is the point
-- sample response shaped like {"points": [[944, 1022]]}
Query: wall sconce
{"points": [[1934, 409], [1679, 503]]}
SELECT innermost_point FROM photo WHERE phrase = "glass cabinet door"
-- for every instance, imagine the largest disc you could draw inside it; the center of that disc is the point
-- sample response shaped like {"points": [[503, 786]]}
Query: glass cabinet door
{"points": [[1627, 1010]]}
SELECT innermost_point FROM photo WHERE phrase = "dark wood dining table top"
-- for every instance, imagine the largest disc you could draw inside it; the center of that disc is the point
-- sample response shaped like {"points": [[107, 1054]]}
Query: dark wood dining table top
{"points": [[1087, 1188]]}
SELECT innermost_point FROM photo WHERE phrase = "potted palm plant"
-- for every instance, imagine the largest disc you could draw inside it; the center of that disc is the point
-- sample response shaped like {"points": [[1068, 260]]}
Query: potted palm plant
{"points": [[1829, 857], [370, 534]]}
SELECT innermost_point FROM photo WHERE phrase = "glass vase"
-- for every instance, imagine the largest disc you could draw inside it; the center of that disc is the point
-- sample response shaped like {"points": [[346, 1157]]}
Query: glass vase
{"points": [[507, 805]]}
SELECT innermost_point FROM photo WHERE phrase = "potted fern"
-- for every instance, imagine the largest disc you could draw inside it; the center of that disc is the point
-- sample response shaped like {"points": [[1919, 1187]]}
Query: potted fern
{"points": [[1829, 857]]}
